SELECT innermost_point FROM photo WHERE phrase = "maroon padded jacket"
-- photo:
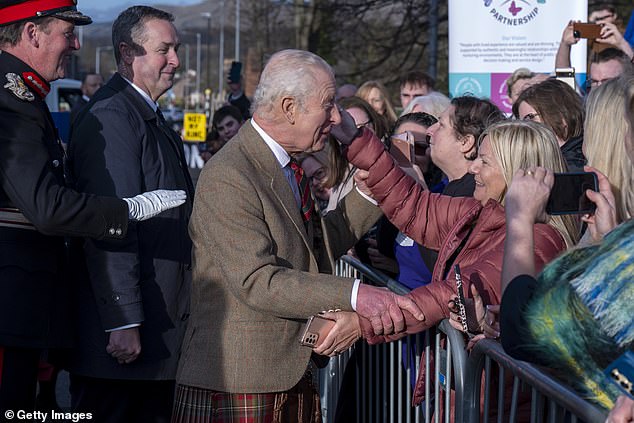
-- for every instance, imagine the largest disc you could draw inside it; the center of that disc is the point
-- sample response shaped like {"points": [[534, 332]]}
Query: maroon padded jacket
{"points": [[443, 223]]}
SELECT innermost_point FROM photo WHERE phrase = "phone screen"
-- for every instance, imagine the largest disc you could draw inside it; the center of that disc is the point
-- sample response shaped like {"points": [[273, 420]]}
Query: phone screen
{"points": [[568, 195]]}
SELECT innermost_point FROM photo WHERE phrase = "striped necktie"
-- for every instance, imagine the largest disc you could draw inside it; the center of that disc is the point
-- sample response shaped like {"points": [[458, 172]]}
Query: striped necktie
{"points": [[304, 190]]}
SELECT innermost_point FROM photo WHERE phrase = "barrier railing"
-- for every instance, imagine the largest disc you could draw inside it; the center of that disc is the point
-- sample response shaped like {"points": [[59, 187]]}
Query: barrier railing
{"points": [[460, 388], [383, 375], [549, 400]]}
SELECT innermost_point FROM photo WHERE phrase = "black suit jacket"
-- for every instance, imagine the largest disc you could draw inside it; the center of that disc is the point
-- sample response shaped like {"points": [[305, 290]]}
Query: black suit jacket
{"points": [[33, 287], [77, 107], [118, 148]]}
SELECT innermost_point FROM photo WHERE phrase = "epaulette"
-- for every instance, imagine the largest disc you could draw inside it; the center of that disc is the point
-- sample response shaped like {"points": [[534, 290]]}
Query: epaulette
{"points": [[36, 83]]}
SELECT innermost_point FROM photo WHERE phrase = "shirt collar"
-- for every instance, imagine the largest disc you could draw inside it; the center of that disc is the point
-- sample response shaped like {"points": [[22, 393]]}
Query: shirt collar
{"points": [[280, 154], [153, 104]]}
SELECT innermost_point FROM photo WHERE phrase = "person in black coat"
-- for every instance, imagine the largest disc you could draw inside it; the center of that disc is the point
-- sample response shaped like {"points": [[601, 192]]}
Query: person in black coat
{"points": [[236, 96], [90, 83], [134, 295], [37, 210]]}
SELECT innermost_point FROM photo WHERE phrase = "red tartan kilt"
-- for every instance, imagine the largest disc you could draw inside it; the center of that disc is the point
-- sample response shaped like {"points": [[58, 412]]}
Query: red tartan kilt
{"points": [[197, 405]]}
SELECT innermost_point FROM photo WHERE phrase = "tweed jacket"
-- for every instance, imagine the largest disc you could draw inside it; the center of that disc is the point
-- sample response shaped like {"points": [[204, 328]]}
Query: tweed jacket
{"points": [[462, 229], [256, 277], [118, 148]]}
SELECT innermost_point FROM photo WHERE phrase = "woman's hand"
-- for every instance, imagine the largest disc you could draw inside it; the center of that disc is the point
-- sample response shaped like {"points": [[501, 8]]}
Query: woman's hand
{"points": [[527, 196], [604, 218], [360, 179], [568, 37], [610, 34], [485, 319], [346, 332], [623, 411]]}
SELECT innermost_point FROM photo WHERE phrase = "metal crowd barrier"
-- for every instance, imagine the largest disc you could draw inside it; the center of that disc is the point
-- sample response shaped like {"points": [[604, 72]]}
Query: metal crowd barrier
{"points": [[382, 378], [548, 399]]}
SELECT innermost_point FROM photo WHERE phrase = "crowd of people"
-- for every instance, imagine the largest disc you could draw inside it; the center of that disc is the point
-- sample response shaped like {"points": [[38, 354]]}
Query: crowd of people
{"points": [[167, 301]]}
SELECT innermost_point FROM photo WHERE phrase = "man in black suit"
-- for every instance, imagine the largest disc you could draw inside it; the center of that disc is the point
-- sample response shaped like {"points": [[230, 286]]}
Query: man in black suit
{"points": [[90, 83], [36, 208], [133, 300]]}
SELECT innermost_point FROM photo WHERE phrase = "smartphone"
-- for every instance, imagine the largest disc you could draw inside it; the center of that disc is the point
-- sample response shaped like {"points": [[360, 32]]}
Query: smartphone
{"points": [[566, 75], [402, 148], [316, 329], [461, 301], [621, 372], [568, 195], [586, 30]]}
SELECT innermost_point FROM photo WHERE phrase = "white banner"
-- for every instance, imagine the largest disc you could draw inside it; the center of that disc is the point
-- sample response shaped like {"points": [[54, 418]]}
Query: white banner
{"points": [[489, 39]]}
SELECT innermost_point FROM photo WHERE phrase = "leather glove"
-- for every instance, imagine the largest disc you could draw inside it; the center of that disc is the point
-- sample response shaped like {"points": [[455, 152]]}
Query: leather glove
{"points": [[347, 130], [149, 204]]}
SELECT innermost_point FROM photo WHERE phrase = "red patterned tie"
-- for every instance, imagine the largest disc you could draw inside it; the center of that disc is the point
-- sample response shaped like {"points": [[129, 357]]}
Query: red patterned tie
{"points": [[304, 190]]}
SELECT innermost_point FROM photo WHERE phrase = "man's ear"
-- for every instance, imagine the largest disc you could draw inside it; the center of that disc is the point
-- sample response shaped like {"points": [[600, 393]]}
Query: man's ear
{"points": [[467, 143], [31, 33], [289, 109], [127, 53]]}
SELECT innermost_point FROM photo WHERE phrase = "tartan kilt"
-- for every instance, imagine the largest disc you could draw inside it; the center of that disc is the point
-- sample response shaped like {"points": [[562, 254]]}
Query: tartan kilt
{"points": [[300, 404]]}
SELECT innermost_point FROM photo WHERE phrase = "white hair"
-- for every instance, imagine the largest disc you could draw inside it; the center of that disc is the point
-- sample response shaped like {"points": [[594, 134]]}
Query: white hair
{"points": [[287, 73], [433, 103]]}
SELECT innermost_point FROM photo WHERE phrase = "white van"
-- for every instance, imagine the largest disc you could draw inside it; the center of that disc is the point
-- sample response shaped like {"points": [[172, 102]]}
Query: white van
{"points": [[60, 100], [63, 95]]}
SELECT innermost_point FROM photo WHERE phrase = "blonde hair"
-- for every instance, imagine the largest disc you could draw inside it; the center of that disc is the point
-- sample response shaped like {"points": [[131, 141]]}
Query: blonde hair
{"points": [[522, 144], [433, 103], [364, 93], [606, 132]]}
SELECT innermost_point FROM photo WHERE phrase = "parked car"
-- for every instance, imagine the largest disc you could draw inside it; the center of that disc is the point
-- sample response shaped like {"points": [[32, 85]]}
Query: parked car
{"points": [[173, 114]]}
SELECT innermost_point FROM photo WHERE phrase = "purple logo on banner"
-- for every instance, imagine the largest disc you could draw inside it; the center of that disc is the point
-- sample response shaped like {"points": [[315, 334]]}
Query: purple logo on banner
{"points": [[513, 12], [499, 92]]}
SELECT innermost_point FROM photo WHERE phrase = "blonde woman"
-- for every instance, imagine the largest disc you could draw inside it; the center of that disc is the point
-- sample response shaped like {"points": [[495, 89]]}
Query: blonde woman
{"points": [[378, 97], [606, 135], [467, 231]]}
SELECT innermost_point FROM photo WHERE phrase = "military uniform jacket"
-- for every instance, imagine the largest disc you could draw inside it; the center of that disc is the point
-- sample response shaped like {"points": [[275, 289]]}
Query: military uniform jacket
{"points": [[118, 147], [33, 288]]}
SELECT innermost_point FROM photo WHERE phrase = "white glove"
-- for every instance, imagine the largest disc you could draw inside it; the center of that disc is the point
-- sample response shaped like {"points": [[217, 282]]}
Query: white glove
{"points": [[149, 204]]}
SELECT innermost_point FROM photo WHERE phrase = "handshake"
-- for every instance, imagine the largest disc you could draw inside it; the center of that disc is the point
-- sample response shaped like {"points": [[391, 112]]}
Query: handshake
{"points": [[385, 309], [387, 314]]}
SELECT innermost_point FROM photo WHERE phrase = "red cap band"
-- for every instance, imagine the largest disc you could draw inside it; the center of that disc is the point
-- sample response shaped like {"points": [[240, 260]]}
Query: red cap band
{"points": [[32, 9]]}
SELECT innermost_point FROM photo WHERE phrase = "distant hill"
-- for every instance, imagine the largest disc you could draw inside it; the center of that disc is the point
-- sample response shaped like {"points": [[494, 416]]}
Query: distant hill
{"points": [[188, 21], [108, 14], [183, 13]]}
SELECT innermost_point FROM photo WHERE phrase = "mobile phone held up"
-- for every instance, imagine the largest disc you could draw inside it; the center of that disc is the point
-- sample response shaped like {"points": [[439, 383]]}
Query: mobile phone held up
{"points": [[402, 148], [568, 195], [586, 30], [316, 329]]}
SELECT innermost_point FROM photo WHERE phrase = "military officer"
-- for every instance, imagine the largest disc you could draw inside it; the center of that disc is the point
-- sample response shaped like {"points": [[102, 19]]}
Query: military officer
{"points": [[37, 210]]}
